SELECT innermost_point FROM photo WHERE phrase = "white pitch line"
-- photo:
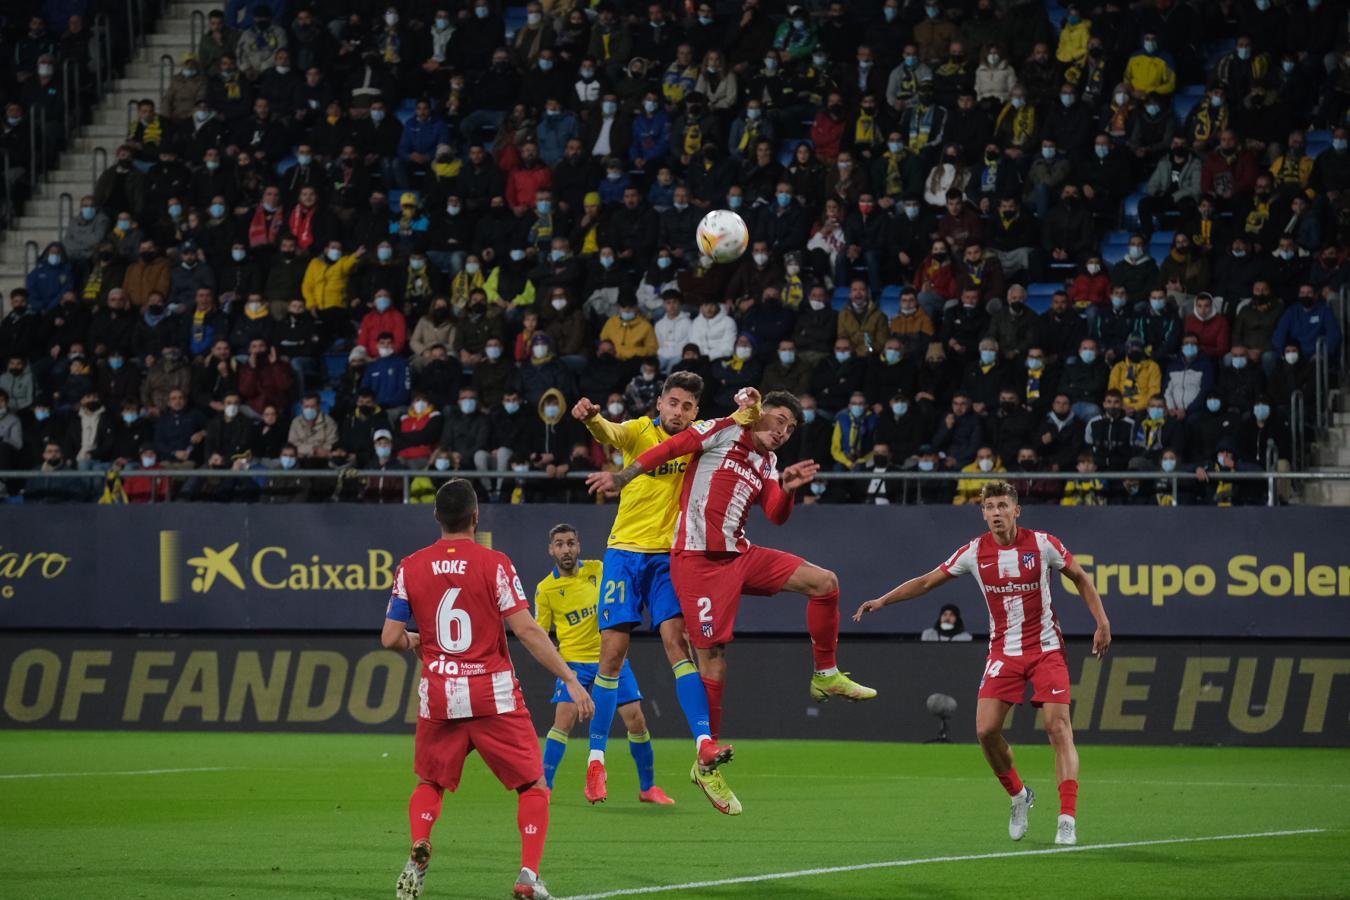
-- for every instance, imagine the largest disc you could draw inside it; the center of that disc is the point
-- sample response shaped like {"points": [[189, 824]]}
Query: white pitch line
{"points": [[1114, 781], [15, 775], [972, 857]]}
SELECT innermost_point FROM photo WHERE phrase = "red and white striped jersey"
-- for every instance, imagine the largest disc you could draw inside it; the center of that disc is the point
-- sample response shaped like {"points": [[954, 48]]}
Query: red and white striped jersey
{"points": [[725, 478], [460, 593], [1015, 581]]}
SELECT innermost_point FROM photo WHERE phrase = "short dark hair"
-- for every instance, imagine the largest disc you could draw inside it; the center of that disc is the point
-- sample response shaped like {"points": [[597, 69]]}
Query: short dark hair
{"points": [[561, 528], [785, 400], [456, 503], [685, 381], [993, 489]]}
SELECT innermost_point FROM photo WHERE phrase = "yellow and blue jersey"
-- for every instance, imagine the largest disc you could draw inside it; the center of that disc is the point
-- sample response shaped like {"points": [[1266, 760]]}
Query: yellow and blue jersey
{"points": [[568, 604], [650, 505]]}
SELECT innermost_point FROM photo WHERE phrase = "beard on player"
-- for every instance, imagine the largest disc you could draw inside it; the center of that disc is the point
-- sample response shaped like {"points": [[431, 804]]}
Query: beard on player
{"points": [[677, 407]]}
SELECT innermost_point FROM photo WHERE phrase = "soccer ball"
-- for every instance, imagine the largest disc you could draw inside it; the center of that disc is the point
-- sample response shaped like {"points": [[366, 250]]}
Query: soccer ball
{"points": [[722, 236]]}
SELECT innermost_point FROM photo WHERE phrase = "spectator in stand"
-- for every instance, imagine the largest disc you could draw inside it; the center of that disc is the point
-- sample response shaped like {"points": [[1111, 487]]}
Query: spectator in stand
{"points": [[1189, 378], [985, 463], [384, 488], [1136, 377], [1307, 322], [313, 433], [948, 627]]}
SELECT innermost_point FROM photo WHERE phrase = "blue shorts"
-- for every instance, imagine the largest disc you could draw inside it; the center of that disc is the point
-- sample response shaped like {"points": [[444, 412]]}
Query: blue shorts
{"points": [[586, 672], [634, 581]]}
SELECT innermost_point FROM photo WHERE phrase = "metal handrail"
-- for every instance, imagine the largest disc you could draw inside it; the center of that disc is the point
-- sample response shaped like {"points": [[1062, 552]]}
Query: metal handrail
{"points": [[132, 107], [42, 143], [1298, 427], [133, 35], [102, 45], [30, 266], [65, 211], [6, 215], [195, 30], [163, 79], [98, 168], [1321, 382], [1272, 463]]}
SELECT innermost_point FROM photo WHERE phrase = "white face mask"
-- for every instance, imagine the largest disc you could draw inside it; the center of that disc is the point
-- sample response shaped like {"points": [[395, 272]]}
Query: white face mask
{"points": [[616, 409], [986, 465], [386, 351], [817, 305], [539, 351], [419, 406], [560, 303], [231, 410], [742, 352], [442, 464]]}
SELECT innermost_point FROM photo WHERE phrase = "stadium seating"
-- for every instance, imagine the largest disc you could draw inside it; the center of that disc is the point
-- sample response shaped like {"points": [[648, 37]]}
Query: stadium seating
{"points": [[889, 301], [1040, 293]]}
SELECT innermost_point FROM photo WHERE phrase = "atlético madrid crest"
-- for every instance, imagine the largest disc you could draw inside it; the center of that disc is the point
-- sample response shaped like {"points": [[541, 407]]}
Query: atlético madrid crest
{"points": [[1028, 560]]}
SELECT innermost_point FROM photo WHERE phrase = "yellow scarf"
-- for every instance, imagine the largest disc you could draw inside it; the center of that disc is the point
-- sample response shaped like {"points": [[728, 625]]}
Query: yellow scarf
{"points": [[865, 131], [693, 139]]}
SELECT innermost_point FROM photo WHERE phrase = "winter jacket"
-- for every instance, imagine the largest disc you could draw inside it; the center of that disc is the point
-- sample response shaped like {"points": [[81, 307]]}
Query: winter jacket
{"points": [[325, 284], [1303, 325], [1187, 383], [632, 340], [267, 384], [1188, 186], [145, 278], [715, 337], [376, 323], [389, 379], [311, 436], [162, 379], [1111, 441], [1137, 382], [1212, 334], [82, 237]]}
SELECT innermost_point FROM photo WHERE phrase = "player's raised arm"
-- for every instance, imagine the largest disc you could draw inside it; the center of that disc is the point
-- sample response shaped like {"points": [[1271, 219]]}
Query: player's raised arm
{"points": [[537, 641], [611, 434], [1101, 638], [910, 590]]}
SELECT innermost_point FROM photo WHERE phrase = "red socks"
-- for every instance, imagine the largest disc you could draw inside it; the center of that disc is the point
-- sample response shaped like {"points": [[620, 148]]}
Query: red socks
{"points": [[1012, 783], [1068, 797], [714, 689], [822, 621], [532, 819], [424, 808]]}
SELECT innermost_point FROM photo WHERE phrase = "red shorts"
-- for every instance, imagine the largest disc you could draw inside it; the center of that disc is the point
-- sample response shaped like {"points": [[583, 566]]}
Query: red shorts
{"points": [[1005, 678], [710, 586], [506, 742]]}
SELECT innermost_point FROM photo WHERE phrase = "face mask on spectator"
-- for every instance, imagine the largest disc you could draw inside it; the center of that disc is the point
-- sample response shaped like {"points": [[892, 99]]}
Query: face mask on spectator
{"points": [[926, 465], [899, 408], [420, 406], [115, 363], [511, 407], [1048, 152], [1213, 404], [382, 303], [609, 107], [231, 410], [1101, 150], [1067, 99], [1291, 358], [1169, 465], [1261, 411], [734, 201], [1157, 304], [1239, 362], [377, 116], [817, 305], [384, 254], [1087, 356], [1156, 413], [587, 73], [417, 264], [472, 268], [288, 462], [843, 355], [1035, 363], [892, 355], [53, 259], [148, 461], [988, 357], [310, 413], [238, 255], [743, 352], [986, 464], [615, 409], [493, 353], [382, 452], [606, 261], [129, 417], [663, 262], [517, 255], [539, 351], [385, 351], [649, 106], [1190, 351]]}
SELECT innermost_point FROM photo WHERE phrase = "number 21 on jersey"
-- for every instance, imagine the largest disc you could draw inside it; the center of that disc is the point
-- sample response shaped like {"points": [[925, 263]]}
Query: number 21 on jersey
{"points": [[454, 629]]}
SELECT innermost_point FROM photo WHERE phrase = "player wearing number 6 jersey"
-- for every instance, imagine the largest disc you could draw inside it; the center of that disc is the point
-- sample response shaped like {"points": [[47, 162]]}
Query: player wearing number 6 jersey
{"points": [[1013, 567], [462, 596], [712, 563]]}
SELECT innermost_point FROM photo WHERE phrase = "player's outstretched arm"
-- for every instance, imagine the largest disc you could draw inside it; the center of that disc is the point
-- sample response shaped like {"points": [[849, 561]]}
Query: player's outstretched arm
{"points": [[1101, 638], [910, 590], [536, 640]]}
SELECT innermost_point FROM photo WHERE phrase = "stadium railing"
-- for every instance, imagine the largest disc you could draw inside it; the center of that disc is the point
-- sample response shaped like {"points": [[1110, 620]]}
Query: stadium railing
{"points": [[1271, 479]]}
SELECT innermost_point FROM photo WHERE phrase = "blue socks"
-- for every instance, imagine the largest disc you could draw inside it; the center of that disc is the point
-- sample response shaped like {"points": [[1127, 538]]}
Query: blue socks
{"points": [[640, 745], [554, 748], [605, 695], [693, 699]]}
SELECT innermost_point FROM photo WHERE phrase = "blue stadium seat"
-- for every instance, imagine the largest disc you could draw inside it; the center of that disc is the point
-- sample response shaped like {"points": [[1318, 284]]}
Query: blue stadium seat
{"points": [[890, 300], [1121, 236], [514, 17], [1160, 244], [1317, 142], [1113, 253], [1040, 293], [1216, 50], [1182, 104], [327, 399], [1130, 213], [286, 164], [334, 365], [840, 298]]}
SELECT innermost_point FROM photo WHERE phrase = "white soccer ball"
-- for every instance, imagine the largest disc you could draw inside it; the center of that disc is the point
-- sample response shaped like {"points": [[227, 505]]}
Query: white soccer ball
{"points": [[722, 236]]}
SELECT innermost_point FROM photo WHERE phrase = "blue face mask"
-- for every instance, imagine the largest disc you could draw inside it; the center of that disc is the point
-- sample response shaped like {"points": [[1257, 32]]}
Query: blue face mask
{"points": [[1338, 144], [545, 65], [889, 13], [1239, 362], [1035, 363], [115, 363], [288, 462], [1157, 305], [609, 107], [931, 11], [1156, 412], [53, 259], [1067, 99], [1213, 404], [557, 255], [468, 405], [926, 465], [899, 409], [1190, 351], [808, 416], [857, 410], [1101, 151], [787, 357], [42, 415], [1088, 356], [382, 303], [310, 413], [1048, 152], [843, 356], [663, 262], [734, 201], [481, 12], [511, 408], [175, 210], [987, 357], [384, 254], [129, 417], [382, 452], [543, 207], [493, 353], [606, 261], [87, 213], [1169, 465], [892, 355], [1261, 411], [784, 200], [217, 210], [517, 255], [1119, 302]]}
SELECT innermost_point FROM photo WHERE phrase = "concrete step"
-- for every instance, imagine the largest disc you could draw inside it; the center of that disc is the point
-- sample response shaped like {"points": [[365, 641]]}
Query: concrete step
{"points": [[1334, 455], [1340, 418], [1327, 493], [81, 147], [43, 224], [1337, 436], [107, 132], [168, 42], [138, 84]]}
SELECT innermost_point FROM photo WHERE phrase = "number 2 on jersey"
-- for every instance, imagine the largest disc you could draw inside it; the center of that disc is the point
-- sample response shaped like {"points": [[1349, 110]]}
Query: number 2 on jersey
{"points": [[705, 609], [454, 629]]}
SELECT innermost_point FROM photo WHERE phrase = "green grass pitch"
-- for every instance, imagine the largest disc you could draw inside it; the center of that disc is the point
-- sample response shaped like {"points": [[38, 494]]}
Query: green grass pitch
{"points": [[322, 816]]}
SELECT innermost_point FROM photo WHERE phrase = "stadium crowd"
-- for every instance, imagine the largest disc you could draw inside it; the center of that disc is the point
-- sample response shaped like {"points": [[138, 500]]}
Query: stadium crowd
{"points": [[985, 237]]}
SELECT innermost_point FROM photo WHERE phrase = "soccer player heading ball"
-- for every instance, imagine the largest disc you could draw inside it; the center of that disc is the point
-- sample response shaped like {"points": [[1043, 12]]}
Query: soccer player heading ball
{"points": [[1013, 566], [712, 563], [464, 595]]}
